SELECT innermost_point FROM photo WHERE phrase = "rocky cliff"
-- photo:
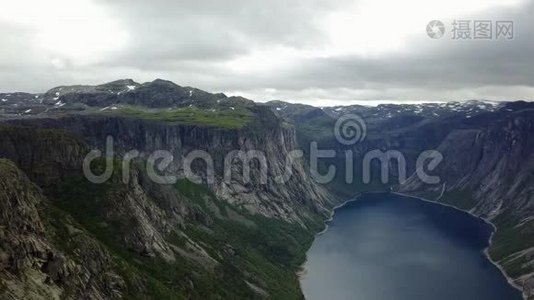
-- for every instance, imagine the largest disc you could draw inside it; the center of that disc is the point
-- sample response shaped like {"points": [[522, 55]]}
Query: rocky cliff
{"points": [[487, 163], [45, 254], [297, 199], [488, 171], [64, 237]]}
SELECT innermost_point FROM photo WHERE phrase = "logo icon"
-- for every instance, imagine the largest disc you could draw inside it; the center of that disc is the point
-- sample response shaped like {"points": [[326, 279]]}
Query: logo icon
{"points": [[350, 129], [435, 29]]}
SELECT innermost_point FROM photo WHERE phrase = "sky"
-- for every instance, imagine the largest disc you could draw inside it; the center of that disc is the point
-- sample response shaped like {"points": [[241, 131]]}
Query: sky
{"points": [[330, 52]]}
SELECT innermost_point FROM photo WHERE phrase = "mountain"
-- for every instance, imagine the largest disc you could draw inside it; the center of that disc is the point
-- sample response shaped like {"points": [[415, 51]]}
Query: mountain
{"points": [[89, 98], [491, 176], [487, 163], [65, 237]]}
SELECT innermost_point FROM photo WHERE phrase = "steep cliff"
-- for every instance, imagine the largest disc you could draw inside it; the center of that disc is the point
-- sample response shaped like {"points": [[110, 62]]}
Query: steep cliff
{"points": [[34, 259], [143, 240], [487, 163], [488, 171], [298, 199]]}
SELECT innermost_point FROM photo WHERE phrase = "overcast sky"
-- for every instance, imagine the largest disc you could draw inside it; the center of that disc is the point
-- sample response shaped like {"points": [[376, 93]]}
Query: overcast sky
{"points": [[317, 52]]}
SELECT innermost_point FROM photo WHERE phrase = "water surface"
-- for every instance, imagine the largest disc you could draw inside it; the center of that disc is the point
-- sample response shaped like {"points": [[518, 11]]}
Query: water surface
{"points": [[389, 247]]}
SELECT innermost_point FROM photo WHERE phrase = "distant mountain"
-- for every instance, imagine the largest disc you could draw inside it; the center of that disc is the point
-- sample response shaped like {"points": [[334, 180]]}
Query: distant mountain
{"points": [[155, 94]]}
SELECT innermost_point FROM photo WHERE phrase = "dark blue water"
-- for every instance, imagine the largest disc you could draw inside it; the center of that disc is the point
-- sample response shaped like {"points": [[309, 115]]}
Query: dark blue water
{"points": [[389, 247]]}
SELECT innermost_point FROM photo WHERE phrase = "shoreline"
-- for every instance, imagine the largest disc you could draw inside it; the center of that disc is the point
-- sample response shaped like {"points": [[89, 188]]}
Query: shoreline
{"points": [[302, 270], [333, 212], [510, 280]]}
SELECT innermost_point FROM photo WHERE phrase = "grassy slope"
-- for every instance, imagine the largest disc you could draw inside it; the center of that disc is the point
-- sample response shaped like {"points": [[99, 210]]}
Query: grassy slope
{"points": [[224, 118]]}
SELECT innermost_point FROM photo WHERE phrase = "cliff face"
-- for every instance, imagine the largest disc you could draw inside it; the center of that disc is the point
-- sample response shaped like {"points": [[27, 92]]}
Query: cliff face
{"points": [[32, 265], [142, 240], [489, 171], [47, 155], [486, 169], [295, 200], [64, 237]]}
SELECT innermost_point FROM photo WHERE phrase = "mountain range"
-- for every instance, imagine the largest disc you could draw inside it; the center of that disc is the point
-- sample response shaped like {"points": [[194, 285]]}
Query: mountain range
{"points": [[63, 237]]}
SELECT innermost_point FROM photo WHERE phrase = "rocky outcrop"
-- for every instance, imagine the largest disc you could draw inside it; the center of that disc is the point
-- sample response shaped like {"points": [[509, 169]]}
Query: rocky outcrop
{"points": [[31, 266]]}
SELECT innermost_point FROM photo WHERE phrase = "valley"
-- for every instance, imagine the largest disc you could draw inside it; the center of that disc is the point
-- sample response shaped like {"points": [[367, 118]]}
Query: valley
{"points": [[64, 237]]}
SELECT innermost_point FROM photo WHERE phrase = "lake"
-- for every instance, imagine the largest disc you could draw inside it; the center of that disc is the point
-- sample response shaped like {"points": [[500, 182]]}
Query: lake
{"points": [[389, 247]]}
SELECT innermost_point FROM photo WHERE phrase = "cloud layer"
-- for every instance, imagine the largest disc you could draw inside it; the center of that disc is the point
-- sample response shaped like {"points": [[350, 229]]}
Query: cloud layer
{"points": [[319, 52]]}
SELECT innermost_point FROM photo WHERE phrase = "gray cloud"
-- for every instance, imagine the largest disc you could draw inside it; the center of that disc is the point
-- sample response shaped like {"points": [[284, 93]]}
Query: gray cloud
{"points": [[192, 43], [169, 31]]}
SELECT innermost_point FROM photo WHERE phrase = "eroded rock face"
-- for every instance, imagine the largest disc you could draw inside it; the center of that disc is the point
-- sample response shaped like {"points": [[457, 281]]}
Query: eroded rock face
{"points": [[46, 254], [21, 223], [85, 227], [31, 266], [45, 155], [293, 201]]}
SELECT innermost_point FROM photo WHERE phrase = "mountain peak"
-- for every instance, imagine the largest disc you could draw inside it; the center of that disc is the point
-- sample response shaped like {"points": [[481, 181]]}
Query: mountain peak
{"points": [[126, 81], [162, 82]]}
